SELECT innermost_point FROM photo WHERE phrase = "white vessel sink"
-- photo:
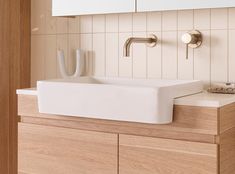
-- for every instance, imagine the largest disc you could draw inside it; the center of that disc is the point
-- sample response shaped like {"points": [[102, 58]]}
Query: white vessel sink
{"points": [[144, 101]]}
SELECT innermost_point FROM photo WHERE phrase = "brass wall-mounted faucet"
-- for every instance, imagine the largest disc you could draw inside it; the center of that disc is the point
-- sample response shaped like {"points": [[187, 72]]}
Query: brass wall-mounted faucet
{"points": [[192, 39], [150, 41]]}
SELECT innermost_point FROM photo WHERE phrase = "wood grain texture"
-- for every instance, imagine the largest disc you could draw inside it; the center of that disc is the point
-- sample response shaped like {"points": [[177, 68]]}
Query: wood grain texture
{"points": [[14, 82], [25, 43], [227, 152], [5, 86], [12, 64], [49, 150], [197, 119], [142, 155], [20, 172], [19, 68], [116, 127], [188, 121], [227, 117]]}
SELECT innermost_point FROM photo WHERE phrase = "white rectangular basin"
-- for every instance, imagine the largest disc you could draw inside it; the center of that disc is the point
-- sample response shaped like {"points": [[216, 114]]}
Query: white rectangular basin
{"points": [[132, 100]]}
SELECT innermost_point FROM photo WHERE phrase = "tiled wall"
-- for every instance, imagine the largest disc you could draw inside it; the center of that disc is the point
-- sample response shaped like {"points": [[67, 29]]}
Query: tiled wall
{"points": [[103, 36]]}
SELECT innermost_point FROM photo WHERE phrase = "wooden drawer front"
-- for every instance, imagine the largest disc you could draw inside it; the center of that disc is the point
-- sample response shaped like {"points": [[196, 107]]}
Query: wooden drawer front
{"points": [[144, 155], [53, 150]]}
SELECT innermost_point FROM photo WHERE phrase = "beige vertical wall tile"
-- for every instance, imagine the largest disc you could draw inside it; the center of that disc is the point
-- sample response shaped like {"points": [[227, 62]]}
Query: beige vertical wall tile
{"points": [[169, 63], [169, 20], [38, 16], [62, 25], [51, 22], [50, 57], [62, 44], [139, 22], [154, 58], [112, 54], [111, 23], [37, 59], [86, 24], [219, 18], [139, 57], [185, 66], [169, 55], [98, 24], [202, 59], [202, 19], [99, 54], [74, 25], [219, 55], [73, 45], [185, 20], [86, 46], [231, 56], [125, 63], [125, 22], [154, 21], [232, 18]]}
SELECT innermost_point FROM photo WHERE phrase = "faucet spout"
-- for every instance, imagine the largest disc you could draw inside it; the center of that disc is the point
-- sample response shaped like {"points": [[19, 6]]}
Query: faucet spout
{"points": [[150, 41]]}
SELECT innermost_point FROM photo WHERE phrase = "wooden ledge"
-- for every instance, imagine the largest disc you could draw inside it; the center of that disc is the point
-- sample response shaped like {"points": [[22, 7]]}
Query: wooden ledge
{"points": [[190, 122]]}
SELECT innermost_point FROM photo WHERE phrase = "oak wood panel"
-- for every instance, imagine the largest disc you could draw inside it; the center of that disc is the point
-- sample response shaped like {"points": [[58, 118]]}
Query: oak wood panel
{"points": [[227, 117], [49, 150], [12, 64], [19, 172], [196, 119], [5, 86], [227, 152], [99, 125], [25, 43], [19, 70], [202, 120], [143, 155]]}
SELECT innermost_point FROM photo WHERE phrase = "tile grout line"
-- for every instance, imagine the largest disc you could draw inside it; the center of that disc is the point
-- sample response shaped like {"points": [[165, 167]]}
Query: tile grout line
{"points": [[161, 45], [105, 49], [210, 52], [228, 47], [80, 45], [68, 45], [118, 72], [177, 45], [193, 49], [132, 57], [56, 51], [146, 48], [44, 57], [92, 48]]}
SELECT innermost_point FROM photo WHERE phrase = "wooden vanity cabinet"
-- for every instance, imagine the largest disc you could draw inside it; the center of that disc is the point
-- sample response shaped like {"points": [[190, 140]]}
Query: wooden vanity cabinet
{"points": [[55, 150], [201, 140]]}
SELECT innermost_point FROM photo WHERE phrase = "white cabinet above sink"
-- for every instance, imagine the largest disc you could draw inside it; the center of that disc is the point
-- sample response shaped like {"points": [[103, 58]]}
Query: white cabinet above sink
{"points": [[139, 100], [85, 7], [162, 5]]}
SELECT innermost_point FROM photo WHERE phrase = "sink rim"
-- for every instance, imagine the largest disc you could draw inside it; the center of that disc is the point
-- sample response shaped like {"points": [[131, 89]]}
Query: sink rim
{"points": [[120, 81]]}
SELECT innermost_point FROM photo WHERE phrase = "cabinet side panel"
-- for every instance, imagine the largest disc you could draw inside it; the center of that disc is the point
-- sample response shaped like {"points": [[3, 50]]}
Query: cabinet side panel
{"points": [[227, 118], [227, 152]]}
